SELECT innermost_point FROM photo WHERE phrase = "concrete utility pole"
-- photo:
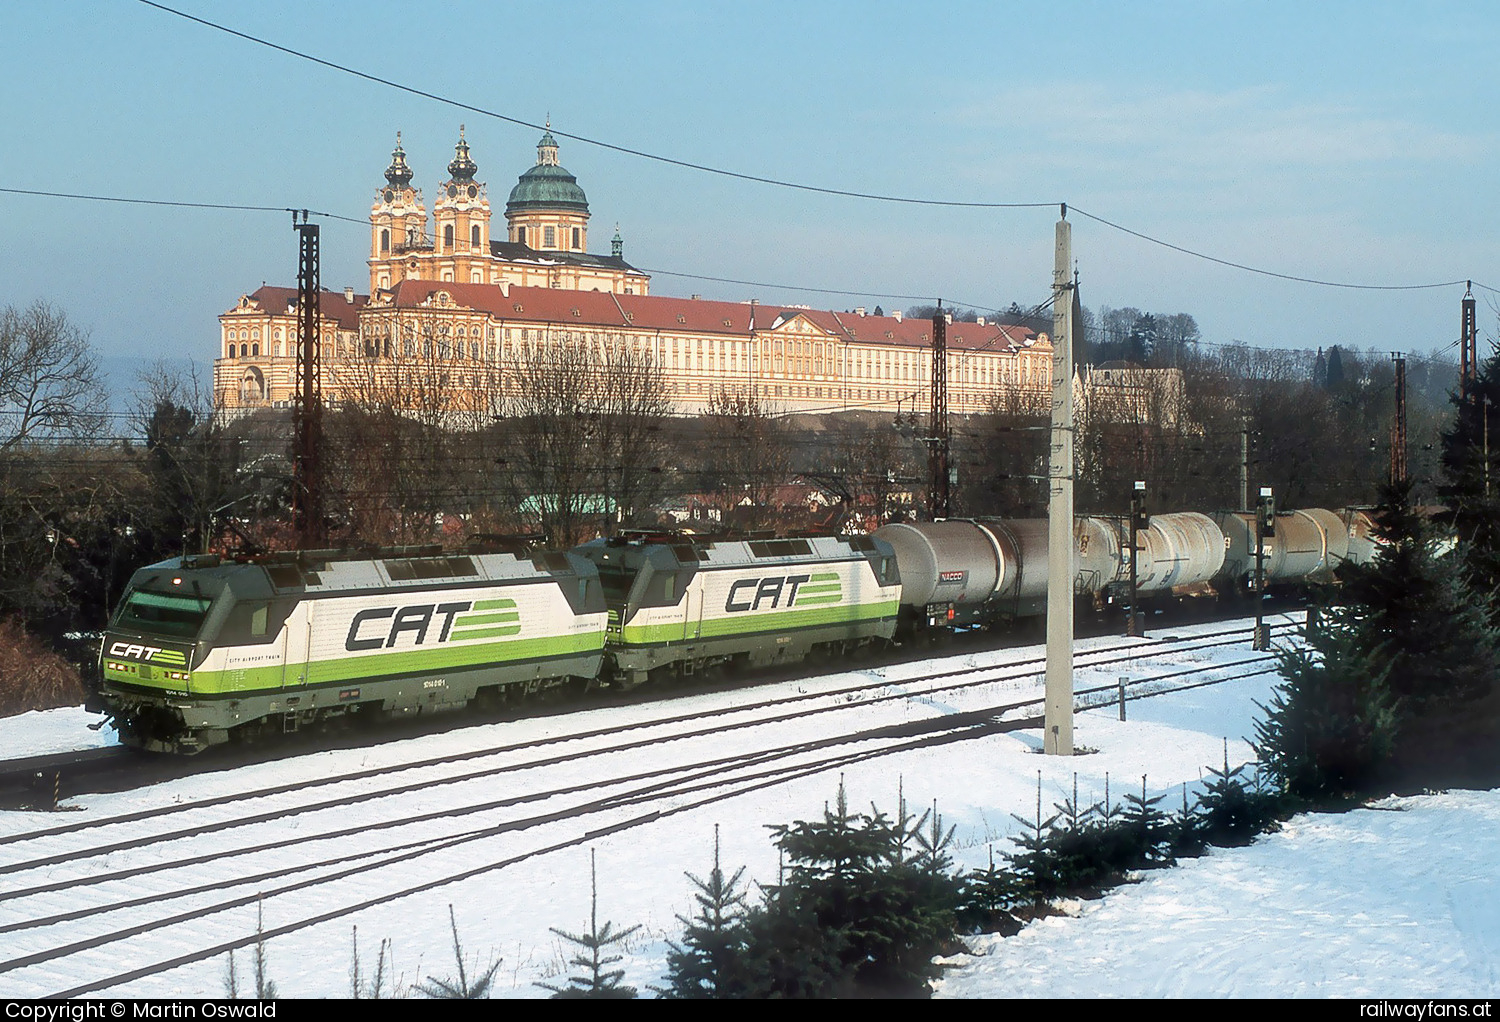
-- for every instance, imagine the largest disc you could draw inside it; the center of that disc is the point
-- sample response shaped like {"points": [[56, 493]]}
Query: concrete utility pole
{"points": [[1058, 717]]}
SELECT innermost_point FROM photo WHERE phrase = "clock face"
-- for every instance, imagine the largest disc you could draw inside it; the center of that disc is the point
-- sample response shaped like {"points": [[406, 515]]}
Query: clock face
{"points": [[452, 191], [389, 195], [473, 191]]}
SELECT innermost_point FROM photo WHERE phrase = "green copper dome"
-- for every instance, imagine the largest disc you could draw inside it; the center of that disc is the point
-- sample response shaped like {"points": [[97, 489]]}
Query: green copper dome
{"points": [[547, 185]]}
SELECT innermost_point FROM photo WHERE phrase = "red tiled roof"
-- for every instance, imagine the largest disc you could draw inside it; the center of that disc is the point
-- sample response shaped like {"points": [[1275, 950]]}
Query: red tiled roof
{"points": [[694, 315], [334, 305]]}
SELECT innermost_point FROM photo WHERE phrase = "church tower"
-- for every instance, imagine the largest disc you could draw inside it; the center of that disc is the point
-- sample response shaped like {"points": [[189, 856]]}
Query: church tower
{"points": [[398, 224], [461, 221], [547, 210]]}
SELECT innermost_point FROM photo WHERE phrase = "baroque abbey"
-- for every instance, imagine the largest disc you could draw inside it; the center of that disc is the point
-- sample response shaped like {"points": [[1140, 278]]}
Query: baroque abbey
{"points": [[450, 298]]}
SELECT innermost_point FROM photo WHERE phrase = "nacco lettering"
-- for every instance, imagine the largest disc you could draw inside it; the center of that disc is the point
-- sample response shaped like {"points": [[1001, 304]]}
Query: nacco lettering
{"points": [[750, 593], [416, 619]]}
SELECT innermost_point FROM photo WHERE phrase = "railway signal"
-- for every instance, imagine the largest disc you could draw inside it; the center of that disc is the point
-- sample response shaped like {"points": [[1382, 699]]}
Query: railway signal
{"points": [[1139, 522], [1265, 528]]}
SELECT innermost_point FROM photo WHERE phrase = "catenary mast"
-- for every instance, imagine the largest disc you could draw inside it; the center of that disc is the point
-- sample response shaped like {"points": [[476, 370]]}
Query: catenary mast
{"points": [[1058, 740]]}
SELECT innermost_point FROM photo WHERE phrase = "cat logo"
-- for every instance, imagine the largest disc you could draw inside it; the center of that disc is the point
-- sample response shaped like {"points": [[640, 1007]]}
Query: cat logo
{"points": [[416, 619], [130, 649], [757, 590]]}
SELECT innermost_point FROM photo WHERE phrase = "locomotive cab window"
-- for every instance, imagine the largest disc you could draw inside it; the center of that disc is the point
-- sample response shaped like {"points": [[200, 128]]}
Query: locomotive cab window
{"points": [[254, 622], [172, 614]]}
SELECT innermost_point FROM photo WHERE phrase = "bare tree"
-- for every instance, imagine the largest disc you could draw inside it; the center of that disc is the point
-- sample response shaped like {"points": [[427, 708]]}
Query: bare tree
{"points": [[749, 454], [1008, 456], [403, 435], [578, 432], [191, 464], [869, 465], [49, 380], [50, 395]]}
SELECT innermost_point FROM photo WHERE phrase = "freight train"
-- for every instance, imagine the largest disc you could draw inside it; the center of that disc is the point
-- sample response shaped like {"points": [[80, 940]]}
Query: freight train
{"points": [[204, 650]]}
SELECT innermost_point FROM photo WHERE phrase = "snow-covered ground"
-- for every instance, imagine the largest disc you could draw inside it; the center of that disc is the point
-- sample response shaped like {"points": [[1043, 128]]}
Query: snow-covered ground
{"points": [[1401, 900], [1396, 901]]}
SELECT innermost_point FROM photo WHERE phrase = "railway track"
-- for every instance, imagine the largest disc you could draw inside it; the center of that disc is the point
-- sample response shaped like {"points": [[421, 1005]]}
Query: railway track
{"points": [[45, 782], [72, 891]]}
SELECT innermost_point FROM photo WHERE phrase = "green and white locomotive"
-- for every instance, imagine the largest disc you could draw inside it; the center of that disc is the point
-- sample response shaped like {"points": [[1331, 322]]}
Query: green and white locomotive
{"points": [[200, 648], [679, 604]]}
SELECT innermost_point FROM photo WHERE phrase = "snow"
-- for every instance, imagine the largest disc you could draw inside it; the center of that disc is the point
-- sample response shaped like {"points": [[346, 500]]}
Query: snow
{"points": [[42, 731], [1399, 900], [1396, 900]]}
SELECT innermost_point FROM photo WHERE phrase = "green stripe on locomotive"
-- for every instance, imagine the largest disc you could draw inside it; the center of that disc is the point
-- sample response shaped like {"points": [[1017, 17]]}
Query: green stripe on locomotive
{"points": [[286, 677], [756, 624]]}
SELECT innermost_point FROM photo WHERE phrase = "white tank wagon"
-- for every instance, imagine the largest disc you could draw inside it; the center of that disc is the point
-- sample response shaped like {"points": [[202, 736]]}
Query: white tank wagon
{"points": [[1179, 552], [1360, 527], [962, 572], [1335, 538], [1307, 547]]}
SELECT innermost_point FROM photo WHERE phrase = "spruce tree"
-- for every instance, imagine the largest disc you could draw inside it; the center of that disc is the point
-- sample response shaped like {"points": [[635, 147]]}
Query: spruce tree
{"points": [[1397, 669], [463, 987], [1234, 812], [598, 981], [1471, 468], [1415, 605], [709, 961], [1331, 726], [853, 914]]}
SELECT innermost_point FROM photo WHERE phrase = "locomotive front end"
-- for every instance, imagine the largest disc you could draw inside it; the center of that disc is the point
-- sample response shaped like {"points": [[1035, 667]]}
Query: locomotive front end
{"points": [[148, 654]]}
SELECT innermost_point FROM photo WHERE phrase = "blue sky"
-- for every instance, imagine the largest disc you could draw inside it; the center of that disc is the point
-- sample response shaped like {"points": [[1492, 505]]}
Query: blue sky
{"points": [[1342, 141]]}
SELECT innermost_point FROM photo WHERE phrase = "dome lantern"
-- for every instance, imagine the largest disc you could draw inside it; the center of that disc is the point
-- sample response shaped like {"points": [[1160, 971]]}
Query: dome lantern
{"points": [[398, 174], [462, 169], [547, 186]]}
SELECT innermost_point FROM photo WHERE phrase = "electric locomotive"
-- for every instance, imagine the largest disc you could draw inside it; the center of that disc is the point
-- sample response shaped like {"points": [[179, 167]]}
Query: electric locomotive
{"points": [[679, 604], [200, 648]]}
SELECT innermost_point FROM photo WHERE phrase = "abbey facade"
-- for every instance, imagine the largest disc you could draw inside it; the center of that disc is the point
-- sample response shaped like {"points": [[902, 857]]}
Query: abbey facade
{"points": [[464, 312]]}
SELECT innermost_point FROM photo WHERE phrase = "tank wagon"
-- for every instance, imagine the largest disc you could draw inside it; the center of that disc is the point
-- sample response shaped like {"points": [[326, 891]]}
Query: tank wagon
{"points": [[679, 604], [962, 572], [981, 572], [199, 648], [1307, 547]]}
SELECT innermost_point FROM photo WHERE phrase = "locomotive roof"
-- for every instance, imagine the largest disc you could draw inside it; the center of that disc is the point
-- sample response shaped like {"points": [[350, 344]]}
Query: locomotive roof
{"points": [[331, 574], [698, 552]]}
